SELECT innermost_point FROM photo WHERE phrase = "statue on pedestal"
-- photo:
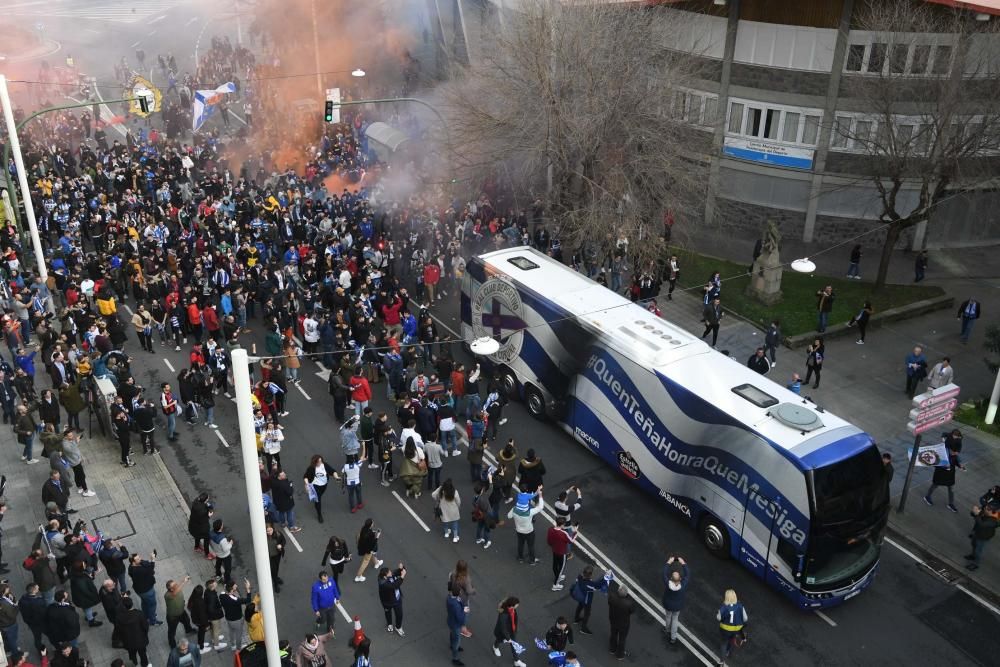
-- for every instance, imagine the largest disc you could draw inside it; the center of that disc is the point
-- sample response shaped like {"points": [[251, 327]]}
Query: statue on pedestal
{"points": [[765, 275]]}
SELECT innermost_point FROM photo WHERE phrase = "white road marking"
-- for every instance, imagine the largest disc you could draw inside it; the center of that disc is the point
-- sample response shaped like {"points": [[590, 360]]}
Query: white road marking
{"points": [[137, 43], [225, 444], [347, 617], [324, 375], [157, 19], [978, 599], [412, 513], [191, 20], [125, 306], [904, 550], [152, 32], [826, 618], [302, 391], [291, 536], [167, 362], [650, 604], [236, 116]]}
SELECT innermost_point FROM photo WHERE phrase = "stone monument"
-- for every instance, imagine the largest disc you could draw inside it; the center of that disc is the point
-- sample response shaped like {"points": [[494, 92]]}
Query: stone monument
{"points": [[765, 276]]}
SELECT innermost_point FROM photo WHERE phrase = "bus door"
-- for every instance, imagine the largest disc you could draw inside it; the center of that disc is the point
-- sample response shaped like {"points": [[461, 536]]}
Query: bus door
{"points": [[785, 559], [756, 538]]}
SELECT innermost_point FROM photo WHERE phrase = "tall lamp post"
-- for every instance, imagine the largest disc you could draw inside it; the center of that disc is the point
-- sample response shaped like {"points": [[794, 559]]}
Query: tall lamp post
{"points": [[22, 177], [255, 503]]}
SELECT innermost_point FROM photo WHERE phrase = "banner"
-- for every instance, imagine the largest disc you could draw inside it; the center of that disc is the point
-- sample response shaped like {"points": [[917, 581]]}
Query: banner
{"points": [[931, 456], [205, 102]]}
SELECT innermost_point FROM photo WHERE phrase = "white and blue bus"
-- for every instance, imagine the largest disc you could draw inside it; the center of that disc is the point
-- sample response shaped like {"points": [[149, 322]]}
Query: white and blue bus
{"points": [[794, 493]]}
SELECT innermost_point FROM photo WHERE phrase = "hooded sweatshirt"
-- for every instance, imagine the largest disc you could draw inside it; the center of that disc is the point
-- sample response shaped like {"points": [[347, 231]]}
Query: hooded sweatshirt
{"points": [[523, 520]]}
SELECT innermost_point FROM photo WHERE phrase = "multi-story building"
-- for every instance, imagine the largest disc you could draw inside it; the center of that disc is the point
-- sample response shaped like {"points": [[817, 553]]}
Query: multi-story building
{"points": [[775, 98]]}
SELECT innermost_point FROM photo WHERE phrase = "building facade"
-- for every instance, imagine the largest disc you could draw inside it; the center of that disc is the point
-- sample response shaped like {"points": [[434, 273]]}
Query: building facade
{"points": [[774, 100]]}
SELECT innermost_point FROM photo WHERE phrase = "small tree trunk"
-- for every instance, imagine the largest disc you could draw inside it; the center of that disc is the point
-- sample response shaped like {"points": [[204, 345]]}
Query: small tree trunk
{"points": [[891, 236]]}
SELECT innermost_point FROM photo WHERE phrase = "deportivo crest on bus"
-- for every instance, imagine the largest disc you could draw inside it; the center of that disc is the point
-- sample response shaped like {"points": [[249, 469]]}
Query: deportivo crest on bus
{"points": [[628, 465], [497, 312]]}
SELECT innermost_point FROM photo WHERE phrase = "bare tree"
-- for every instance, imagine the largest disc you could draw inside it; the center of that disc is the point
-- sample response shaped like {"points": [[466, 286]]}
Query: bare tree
{"points": [[587, 101], [928, 123]]}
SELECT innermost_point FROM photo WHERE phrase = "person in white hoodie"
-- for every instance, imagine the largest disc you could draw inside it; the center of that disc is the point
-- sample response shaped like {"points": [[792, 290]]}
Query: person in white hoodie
{"points": [[220, 546], [524, 526]]}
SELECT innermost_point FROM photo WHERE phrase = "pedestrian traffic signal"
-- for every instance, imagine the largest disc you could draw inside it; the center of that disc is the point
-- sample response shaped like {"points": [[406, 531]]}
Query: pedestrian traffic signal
{"points": [[329, 111]]}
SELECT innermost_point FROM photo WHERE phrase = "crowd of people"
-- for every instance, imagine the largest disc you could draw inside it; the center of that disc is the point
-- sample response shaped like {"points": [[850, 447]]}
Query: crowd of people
{"points": [[208, 240]]}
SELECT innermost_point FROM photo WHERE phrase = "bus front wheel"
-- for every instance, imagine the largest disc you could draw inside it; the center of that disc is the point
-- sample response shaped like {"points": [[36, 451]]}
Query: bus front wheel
{"points": [[715, 537], [535, 402]]}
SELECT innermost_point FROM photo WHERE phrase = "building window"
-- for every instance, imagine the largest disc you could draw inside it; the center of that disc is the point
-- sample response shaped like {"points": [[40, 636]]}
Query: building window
{"points": [[735, 118], [876, 58], [810, 130], [862, 133], [841, 127], [904, 133], [694, 109], [790, 130], [921, 56], [855, 57], [710, 107], [897, 61], [771, 123], [942, 60]]}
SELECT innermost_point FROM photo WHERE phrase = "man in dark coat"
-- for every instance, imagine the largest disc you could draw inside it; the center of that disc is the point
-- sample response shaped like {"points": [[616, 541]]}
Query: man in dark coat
{"points": [[712, 317], [199, 525], [62, 623], [33, 607], [133, 632], [620, 608], [56, 490]]}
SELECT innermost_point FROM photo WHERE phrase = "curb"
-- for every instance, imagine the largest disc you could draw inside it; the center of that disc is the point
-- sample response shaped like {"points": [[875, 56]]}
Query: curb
{"points": [[983, 587], [51, 47], [892, 315]]}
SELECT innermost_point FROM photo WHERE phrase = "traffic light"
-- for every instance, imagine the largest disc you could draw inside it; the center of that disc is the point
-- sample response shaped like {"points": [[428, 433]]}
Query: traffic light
{"points": [[329, 111], [143, 103]]}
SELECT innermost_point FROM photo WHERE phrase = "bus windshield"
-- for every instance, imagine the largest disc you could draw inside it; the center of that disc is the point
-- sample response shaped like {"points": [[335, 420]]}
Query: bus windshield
{"points": [[851, 500]]}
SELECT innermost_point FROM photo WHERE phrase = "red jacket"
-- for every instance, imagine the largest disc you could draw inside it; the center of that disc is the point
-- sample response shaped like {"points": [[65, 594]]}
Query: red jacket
{"points": [[391, 313], [360, 389], [211, 319], [558, 540], [432, 274], [194, 314]]}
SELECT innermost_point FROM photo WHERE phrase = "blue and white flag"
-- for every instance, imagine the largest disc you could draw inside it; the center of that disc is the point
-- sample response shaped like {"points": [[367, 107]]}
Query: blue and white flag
{"points": [[205, 102]]}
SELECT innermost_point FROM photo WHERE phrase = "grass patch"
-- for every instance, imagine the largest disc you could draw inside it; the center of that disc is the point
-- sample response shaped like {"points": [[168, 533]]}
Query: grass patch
{"points": [[797, 309], [972, 414]]}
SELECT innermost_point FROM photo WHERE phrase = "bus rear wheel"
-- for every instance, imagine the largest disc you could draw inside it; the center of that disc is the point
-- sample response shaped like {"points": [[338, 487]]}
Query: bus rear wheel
{"points": [[715, 537], [509, 384], [535, 402]]}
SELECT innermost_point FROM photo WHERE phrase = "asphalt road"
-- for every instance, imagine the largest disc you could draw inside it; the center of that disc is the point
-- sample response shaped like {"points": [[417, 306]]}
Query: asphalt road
{"points": [[907, 616]]}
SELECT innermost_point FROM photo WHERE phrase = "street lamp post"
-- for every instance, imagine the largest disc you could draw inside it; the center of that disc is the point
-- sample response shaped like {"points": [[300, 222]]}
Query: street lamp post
{"points": [[255, 503], [22, 177]]}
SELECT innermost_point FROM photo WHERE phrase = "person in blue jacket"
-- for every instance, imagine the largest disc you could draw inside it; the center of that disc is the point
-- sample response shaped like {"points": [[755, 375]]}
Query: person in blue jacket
{"points": [[675, 582], [583, 592], [324, 600], [456, 621]]}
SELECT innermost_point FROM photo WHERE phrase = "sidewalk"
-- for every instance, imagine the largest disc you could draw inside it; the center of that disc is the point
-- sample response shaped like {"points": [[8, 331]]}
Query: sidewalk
{"points": [[864, 384], [142, 505]]}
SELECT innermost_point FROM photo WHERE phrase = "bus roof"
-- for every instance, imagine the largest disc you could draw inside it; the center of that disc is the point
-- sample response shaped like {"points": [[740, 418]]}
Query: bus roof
{"points": [[672, 352]]}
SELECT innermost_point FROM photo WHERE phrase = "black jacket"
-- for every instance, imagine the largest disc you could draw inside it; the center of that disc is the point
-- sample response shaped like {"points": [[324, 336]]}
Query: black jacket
{"points": [[233, 608], [143, 576], [389, 592], [58, 494], [620, 608], [198, 523], [283, 494], [62, 623], [133, 629], [213, 606], [33, 609], [532, 473]]}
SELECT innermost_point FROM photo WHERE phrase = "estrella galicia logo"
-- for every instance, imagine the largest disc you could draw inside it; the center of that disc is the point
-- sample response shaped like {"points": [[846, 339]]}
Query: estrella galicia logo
{"points": [[628, 465]]}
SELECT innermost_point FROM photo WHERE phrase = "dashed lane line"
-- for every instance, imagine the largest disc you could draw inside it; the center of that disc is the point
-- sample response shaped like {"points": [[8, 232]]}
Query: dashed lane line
{"points": [[167, 362], [291, 536], [302, 391], [225, 444], [409, 509]]}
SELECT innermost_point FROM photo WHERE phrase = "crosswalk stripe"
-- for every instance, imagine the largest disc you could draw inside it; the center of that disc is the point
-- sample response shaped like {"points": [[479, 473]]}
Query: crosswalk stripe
{"points": [[139, 10]]}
